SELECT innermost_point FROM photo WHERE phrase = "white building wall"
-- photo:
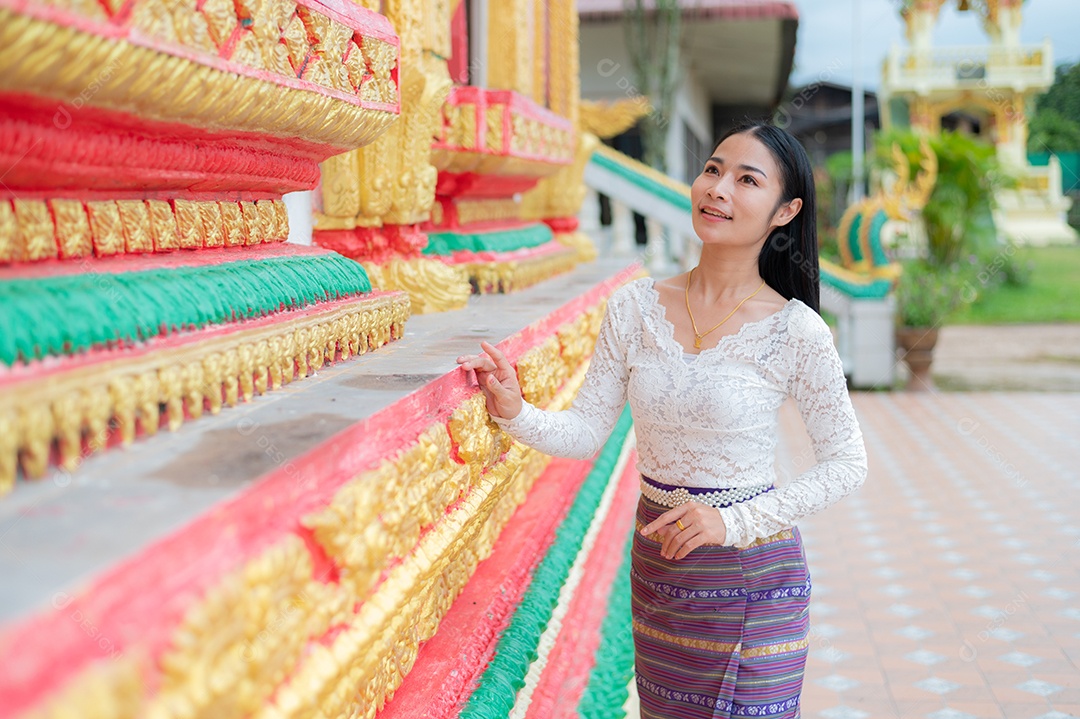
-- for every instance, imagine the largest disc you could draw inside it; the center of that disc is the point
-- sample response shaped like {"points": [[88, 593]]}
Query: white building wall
{"points": [[692, 111], [606, 74]]}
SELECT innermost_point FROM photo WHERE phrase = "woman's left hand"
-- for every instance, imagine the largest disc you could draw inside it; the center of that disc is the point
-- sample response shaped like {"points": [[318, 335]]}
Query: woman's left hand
{"points": [[686, 528]]}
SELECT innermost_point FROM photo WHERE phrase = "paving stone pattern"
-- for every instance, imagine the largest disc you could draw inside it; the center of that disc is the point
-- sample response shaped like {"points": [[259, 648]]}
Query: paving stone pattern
{"points": [[948, 587]]}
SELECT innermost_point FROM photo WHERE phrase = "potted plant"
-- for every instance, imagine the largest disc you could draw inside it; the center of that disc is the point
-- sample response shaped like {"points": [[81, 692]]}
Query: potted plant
{"points": [[958, 221], [926, 294]]}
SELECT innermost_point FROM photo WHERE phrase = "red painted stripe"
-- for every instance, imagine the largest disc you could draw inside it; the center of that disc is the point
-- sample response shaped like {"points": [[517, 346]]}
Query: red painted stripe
{"points": [[140, 601], [57, 151], [451, 662], [572, 658]]}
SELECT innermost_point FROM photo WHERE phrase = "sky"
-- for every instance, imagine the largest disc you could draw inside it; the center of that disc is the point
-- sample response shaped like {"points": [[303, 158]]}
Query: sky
{"points": [[823, 50]]}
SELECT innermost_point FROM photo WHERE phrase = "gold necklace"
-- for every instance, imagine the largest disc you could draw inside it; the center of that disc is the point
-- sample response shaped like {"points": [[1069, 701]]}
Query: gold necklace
{"points": [[699, 335]]}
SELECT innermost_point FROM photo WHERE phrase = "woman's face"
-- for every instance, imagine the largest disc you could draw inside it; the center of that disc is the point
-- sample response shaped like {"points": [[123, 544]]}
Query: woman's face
{"points": [[735, 198]]}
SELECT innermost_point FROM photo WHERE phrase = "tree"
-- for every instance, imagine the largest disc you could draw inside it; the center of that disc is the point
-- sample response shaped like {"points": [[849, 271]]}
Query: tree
{"points": [[1056, 124], [652, 41]]}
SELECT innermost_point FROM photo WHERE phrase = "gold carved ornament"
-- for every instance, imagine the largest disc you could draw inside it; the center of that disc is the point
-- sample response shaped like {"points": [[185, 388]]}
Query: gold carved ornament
{"points": [[245, 635], [43, 58], [391, 181], [32, 230], [564, 80], [510, 39], [432, 285], [487, 210], [185, 379], [407, 605], [112, 689], [561, 195], [379, 646], [513, 275]]}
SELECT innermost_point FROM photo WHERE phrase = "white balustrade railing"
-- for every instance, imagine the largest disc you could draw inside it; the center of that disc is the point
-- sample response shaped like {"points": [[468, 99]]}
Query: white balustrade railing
{"points": [[925, 69], [670, 234]]}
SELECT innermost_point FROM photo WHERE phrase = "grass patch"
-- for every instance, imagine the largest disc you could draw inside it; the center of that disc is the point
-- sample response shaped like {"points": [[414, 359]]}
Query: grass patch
{"points": [[1050, 295]]}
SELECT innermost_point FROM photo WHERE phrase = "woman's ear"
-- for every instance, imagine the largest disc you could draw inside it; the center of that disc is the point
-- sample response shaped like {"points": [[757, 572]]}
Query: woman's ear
{"points": [[786, 212]]}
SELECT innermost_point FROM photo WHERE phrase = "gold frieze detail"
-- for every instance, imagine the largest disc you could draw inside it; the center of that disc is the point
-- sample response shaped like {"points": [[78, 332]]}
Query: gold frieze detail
{"points": [[141, 393], [41, 57], [44, 229]]}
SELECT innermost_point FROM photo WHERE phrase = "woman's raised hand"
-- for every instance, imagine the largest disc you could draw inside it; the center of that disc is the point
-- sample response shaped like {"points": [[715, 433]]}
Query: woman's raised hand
{"points": [[497, 378]]}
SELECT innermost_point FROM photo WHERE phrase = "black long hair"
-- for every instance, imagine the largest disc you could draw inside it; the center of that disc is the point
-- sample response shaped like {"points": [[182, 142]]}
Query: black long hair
{"points": [[789, 258]]}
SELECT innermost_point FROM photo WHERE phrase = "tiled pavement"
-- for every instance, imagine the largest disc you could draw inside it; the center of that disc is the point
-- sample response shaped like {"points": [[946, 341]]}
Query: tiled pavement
{"points": [[948, 587]]}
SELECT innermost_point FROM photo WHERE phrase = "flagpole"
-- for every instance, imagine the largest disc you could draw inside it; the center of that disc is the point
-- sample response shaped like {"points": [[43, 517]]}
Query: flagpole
{"points": [[858, 113]]}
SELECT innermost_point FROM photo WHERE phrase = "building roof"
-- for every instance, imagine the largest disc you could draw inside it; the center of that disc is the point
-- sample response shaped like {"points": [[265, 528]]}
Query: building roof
{"points": [[740, 51], [712, 9]]}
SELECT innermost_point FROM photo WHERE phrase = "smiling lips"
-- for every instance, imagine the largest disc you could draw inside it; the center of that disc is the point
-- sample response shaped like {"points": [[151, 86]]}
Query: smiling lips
{"points": [[713, 212]]}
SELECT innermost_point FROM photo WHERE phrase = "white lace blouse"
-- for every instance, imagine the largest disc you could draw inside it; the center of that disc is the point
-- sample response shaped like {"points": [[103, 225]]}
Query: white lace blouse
{"points": [[713, 422]]}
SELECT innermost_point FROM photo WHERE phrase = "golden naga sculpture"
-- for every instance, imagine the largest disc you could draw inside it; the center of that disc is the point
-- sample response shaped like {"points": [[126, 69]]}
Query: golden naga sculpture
{"points": [[608, 119], [860, 232]]}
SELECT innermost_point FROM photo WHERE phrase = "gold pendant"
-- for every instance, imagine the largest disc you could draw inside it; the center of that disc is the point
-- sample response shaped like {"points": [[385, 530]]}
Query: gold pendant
{"points": [[697, 343]]}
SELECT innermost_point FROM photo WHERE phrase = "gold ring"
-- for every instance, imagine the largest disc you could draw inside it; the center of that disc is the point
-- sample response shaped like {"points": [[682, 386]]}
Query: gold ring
{"points": [[678, 523]]}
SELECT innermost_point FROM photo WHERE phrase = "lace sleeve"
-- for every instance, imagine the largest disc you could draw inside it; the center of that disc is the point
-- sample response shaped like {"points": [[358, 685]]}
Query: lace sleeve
{"points": [[817, 384], [580, 431]]}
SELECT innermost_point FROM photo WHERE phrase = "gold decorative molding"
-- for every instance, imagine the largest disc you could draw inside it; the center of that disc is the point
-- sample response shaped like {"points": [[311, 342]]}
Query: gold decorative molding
{"points": [[541, 62], [45, 229], [426, 87], [276, 36], [511, 40], [432, 285], [359, 670], [418, 485], [236, 644], [437, 16], [580, 243], [499, 132], [391, 181], [539, 371], [40, 57], [111, 689], [478, 440], [125, 395], [608, 119], [377, 648], [512, 275], [561, 194], [564, 79], [487, 210]]}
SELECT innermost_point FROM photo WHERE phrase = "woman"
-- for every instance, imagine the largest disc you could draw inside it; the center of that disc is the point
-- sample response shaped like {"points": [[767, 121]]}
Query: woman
{"points": [[706, 358]]}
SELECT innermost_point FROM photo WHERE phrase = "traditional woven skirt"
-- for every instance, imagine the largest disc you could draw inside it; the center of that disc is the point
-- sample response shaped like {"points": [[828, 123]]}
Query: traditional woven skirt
{"points": [[722, 632]]}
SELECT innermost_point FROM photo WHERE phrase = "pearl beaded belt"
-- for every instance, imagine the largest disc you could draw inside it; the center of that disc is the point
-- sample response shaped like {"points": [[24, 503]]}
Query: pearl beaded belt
{"points": [[670, 496]]}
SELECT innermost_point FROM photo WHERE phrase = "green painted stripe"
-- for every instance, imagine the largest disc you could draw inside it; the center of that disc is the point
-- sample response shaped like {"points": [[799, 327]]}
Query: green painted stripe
{"points": [[72, 313], [651, 186], [607, 690], [505, 675], [873, 289], [445, 243]]}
